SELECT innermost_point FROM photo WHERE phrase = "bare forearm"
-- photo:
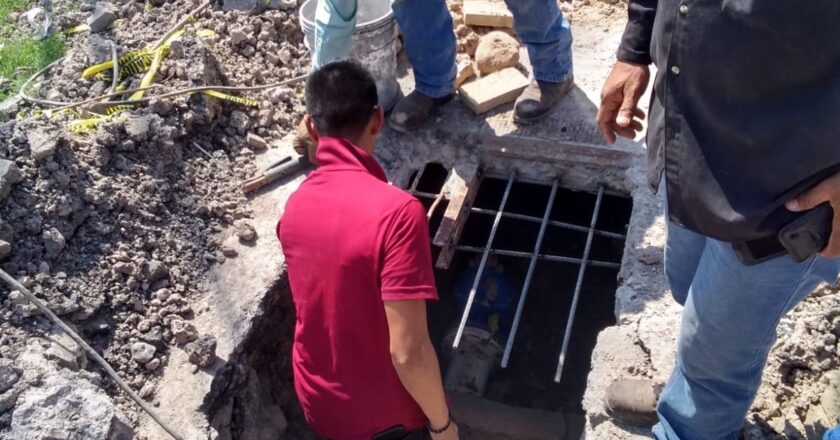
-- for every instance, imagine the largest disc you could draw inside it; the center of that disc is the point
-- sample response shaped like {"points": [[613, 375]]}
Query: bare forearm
{"points": [[420, 376]]}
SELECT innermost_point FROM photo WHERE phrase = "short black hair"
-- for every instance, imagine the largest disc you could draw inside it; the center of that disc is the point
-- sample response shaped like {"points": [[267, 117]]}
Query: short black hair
{"points": [[341, 98]]}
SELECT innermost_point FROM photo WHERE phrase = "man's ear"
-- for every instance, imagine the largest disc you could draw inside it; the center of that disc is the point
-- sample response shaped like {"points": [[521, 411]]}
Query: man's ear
{"points": [[310, 127], [377, 120]]}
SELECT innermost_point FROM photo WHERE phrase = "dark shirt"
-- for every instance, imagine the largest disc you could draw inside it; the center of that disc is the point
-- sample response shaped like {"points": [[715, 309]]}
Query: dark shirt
{"points": [[745, 110]]}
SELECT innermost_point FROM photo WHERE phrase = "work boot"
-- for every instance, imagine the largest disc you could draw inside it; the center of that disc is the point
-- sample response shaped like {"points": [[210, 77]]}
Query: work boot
{"points": [[538, 99], [415, 108], [302, 143], [633, 401]]}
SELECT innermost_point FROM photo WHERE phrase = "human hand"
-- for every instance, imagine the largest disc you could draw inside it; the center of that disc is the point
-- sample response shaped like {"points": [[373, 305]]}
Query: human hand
{"points": [[826, 191], [619, 101], [451, 433]]}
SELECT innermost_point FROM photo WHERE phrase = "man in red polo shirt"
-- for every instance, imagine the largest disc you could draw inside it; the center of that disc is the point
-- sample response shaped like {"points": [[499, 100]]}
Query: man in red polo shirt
{"points": [[360, 268]]}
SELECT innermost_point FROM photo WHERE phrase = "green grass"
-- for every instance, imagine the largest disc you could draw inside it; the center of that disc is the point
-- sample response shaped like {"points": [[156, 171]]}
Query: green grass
{"points": [[21, 56], [6, 7]]}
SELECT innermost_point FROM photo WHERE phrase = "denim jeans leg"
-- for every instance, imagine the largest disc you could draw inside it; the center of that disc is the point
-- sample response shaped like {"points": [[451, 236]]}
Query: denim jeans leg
{"points": [[728, 327], [543, 28], [429, 44], [683, 249], [335, 21]]}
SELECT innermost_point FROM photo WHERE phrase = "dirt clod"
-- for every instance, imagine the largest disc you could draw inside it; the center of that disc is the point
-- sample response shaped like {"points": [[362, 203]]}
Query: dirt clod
{"points": [[202, 351], [496, 51]]}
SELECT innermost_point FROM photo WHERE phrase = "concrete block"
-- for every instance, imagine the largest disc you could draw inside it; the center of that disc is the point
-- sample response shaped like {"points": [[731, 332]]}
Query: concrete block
{"points": [[487, 13], [493, 90]]}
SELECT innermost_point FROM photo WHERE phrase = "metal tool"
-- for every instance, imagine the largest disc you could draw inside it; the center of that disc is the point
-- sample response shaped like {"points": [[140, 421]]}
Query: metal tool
{"points": [[284, 167]]}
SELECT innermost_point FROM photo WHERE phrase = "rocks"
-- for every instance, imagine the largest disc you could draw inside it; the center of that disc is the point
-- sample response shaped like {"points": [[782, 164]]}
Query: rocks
{"points": [[102, 17], [183, 331], [142, 352], [9, 375], [256, 141], [202, 351], [238, 35], [245, 231], [67, 411], [42, 143], [239, 121], [9, 175], [5, 249], [64, 350], [154, 271], [53, 241], [138, 127], [496, 51]]}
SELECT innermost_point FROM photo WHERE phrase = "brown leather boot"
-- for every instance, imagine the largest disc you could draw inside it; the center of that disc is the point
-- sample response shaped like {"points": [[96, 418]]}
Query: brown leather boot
{"points": [[633, 401], [415, 108], [538, 99], [302, 143]]}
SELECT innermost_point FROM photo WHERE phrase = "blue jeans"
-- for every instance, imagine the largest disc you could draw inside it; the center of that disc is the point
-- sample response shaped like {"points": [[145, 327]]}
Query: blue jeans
{"points": [[430, 43], [728, 326]]}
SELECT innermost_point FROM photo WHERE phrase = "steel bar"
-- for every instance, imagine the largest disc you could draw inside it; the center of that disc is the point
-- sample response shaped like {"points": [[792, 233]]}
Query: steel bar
{"points": [[551, 222], [546, 257], [529, 275], [425, 195], [567, 335], [416, 181], [483, 262]]}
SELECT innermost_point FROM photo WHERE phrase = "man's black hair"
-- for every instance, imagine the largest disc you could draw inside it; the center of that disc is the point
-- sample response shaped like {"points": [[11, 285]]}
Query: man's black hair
{"points": [[341, 97]]}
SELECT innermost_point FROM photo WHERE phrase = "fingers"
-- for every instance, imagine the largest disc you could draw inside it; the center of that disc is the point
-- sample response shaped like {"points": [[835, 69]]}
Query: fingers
{"points": [[811, 198], [605, 120]]}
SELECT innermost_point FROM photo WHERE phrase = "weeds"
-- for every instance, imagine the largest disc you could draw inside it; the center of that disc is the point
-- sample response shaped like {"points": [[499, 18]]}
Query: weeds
{"points": [[20, 55]]}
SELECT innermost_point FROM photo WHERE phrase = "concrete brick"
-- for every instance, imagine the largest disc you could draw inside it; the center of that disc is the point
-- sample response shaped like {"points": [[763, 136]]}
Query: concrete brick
{"points": [[487, 13], [493, 90]]}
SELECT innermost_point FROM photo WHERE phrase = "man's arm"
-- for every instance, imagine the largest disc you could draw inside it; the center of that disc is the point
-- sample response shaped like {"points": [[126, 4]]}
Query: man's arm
{"points": [[416, 362], [629, 78]]}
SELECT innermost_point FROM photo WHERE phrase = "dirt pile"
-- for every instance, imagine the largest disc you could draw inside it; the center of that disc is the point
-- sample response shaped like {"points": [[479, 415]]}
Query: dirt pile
{"points": [[799, 395], [114, 229]]}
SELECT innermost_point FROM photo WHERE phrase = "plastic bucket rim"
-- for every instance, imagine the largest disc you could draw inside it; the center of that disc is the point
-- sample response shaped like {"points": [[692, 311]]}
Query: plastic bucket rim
{"points": [[370, 25]]}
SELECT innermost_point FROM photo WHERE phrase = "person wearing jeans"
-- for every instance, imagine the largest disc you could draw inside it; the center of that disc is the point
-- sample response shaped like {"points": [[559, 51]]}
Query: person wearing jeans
{"points": [[742, 129], [722, 347], [430, 45]]}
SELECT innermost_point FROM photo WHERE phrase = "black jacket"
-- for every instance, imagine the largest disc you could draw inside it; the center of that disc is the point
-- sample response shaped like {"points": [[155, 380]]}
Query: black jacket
{"points": [[745, 112]]}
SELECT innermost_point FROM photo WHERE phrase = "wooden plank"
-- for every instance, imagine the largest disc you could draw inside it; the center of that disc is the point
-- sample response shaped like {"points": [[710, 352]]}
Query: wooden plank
{"points": [[493, 90], [487, 13], [461, 188]]}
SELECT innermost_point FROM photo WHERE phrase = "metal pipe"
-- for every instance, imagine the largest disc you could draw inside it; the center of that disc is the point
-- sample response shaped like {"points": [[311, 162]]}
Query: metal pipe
{"points": [[531, 266], [483, 262], [425, 195], [567, 335], [553, 258], [551, 222]]}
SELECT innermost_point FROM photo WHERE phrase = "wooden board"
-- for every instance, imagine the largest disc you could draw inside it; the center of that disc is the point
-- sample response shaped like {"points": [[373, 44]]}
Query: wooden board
{"points": [[461, 189]]}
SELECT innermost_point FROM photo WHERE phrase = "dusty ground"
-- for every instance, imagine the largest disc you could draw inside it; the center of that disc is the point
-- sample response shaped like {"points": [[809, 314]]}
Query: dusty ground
{"points": [[139, 235]]}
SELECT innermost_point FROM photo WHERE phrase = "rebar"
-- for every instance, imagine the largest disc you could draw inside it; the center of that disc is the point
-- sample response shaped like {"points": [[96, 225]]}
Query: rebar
{"points": [[483, 262], [529, 275], [570, 322]]}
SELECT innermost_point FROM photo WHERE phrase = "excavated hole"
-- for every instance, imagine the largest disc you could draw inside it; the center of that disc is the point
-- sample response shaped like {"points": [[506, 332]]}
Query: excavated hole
{"points": [[256, 385], [253, 396], [528, 382]]}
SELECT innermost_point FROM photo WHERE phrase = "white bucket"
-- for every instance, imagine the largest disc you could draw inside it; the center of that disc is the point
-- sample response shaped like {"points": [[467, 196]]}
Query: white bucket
{"points": [[374, 43]]}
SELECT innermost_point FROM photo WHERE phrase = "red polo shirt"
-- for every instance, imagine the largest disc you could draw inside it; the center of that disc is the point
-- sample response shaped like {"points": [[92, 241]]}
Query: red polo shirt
{"points": [[352, 241]]}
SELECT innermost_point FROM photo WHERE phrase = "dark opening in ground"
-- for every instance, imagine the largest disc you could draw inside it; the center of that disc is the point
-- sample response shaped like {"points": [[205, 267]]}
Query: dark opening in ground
{"points": [[528, 381]]}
